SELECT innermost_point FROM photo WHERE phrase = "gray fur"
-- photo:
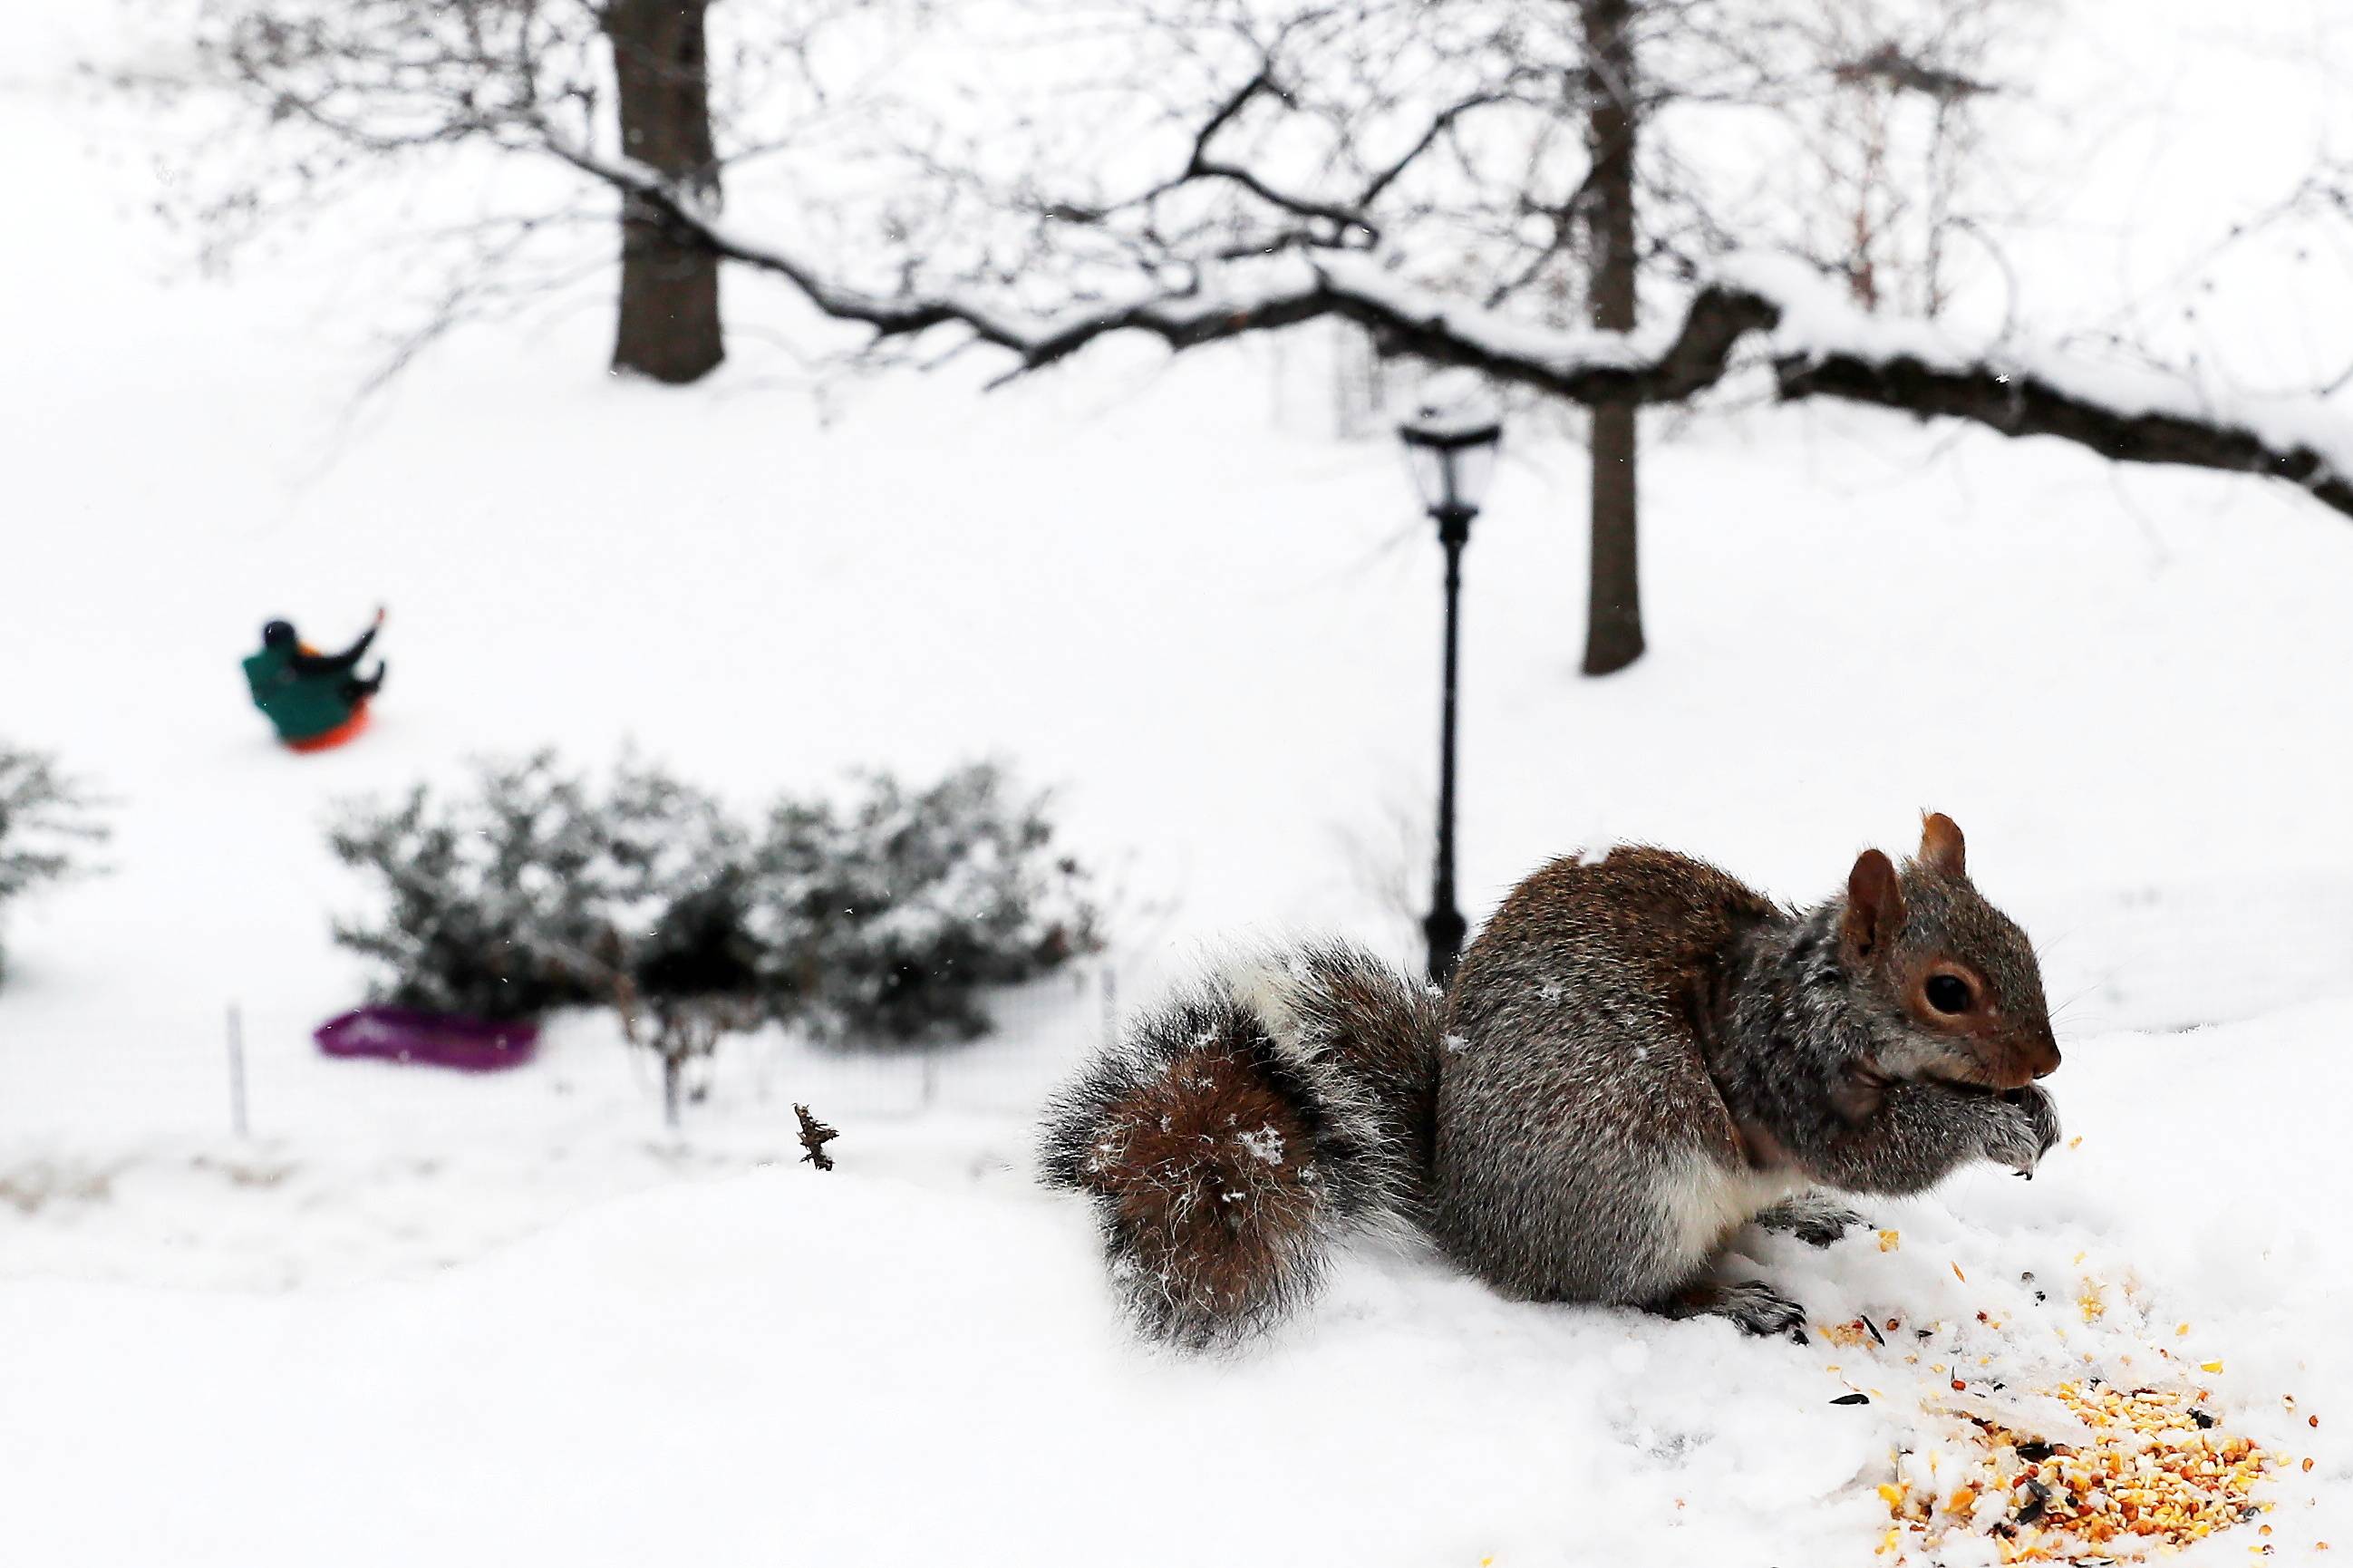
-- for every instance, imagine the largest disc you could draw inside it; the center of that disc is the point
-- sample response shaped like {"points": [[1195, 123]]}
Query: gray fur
{"points": [[1601, 1134], [1226, 1227], [1802, 1024], [1636, 1059]]}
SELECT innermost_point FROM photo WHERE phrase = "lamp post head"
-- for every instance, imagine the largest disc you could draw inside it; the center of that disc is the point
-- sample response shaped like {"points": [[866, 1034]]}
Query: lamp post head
{"points": [[1450, 442]]}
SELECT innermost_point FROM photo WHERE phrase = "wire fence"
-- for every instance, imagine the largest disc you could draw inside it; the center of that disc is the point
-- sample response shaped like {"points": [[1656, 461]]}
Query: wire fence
{"points": [[1040, 1032], [237, 1067]]}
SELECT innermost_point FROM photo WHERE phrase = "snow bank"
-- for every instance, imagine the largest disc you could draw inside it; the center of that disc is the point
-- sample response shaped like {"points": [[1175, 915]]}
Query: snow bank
{"points": [[879, 1369]]}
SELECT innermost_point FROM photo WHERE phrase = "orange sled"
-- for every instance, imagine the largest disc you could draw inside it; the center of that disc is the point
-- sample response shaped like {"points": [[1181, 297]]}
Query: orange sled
{"points": [[327, 741]]}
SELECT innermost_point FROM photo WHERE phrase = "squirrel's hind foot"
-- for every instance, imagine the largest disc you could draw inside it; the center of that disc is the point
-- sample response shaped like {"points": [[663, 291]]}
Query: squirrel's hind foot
{"points": [[1755, 1305]]}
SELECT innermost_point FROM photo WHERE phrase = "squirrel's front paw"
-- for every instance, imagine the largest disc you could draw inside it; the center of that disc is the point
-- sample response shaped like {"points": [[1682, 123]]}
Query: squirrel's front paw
{"points": [[1816, 1220], [2025, 1126]]}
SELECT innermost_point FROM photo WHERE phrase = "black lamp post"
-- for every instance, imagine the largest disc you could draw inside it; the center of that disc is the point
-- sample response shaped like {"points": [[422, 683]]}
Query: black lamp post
{"points": [[1451, 447]]}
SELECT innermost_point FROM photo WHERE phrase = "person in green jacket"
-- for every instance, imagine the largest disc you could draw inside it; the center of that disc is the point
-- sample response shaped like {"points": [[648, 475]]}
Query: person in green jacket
{"points": [[314, 699]]}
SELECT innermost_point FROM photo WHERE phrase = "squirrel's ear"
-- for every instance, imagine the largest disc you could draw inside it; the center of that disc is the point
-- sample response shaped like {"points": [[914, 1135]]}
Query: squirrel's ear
{"points": [[1874, 906], [1941, 849]]}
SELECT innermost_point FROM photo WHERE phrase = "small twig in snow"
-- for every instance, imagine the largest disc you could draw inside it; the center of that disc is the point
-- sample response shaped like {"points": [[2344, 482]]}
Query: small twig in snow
{"points": [[815, 1136]]}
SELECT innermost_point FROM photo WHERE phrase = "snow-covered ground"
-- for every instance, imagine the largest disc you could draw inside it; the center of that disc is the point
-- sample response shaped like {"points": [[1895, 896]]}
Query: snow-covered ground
{"points": [[909, 1361], [477, 1320]]}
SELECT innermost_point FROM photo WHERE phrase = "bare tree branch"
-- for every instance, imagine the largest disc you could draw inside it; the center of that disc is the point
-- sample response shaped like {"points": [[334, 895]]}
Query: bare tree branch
{"points": [[1818, 345], [1414, 170], [2023, 405]]}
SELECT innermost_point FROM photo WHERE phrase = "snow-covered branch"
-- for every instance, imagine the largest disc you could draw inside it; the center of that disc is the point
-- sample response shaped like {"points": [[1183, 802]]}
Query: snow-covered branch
{"points": [[1802, 326], [1822, 346]]}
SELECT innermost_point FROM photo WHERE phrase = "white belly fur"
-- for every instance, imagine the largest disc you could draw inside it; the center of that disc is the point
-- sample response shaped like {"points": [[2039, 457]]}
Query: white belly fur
{"points": [[1706, 1202]]}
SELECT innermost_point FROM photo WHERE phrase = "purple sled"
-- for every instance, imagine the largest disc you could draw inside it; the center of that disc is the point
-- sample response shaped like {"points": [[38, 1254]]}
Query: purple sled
{"points": [[441, 1039]]}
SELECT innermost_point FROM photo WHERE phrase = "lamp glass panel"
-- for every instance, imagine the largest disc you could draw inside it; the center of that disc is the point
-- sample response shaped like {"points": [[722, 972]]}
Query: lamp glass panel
{"points": [[1469, 471], [1431, 477]]}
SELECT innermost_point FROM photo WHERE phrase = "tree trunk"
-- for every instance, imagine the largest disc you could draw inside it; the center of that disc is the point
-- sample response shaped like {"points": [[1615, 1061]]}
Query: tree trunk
{"points": [[1613, 620], [668, 326], [673, 1076]]}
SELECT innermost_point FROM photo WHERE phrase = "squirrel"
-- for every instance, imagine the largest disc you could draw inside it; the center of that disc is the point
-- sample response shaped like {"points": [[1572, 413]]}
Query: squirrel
{"points": [[1636, 1057]]}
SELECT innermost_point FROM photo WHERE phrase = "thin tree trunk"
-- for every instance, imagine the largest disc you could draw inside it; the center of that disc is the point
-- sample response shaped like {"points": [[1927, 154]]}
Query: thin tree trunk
{"points": [[673, 1072], [1613, 622], [670, 326]]}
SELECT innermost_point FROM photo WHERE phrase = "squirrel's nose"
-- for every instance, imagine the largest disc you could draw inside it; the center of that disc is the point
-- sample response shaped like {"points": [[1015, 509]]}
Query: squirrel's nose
{"points": [[2043, 1055]]}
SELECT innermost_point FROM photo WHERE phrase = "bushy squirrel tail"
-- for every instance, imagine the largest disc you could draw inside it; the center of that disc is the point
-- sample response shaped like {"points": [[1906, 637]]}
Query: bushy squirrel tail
{"points": [[1242, 1126]]}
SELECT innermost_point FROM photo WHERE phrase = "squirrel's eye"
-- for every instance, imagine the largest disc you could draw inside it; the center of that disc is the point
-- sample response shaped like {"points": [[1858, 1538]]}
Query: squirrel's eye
{"points": [[1948, 994]]}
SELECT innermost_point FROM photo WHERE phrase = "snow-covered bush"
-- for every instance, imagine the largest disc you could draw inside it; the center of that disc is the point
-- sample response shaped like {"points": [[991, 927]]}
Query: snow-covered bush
{"points": [[542, 890], [45, 820], [490, 907], [673, 881], [880, 924]]}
